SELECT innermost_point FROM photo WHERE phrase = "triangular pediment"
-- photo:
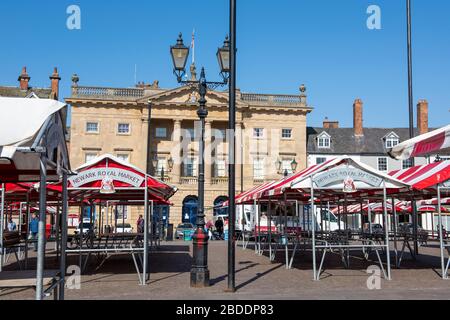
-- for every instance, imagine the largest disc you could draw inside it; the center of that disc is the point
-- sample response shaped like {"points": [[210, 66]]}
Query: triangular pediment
{"points": [[187, 95]]}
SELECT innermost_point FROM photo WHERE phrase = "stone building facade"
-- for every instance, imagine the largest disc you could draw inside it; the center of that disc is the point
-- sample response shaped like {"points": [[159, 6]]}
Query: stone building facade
{"points": [[126, 122]]}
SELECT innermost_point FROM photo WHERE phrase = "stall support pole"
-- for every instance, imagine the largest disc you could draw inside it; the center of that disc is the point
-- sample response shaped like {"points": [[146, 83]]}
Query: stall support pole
{"points": [[369, 214], [2, 225], [313, 227], [259, 228], [256, 217], [63, 236], [146, 213], [441, 236], [386, 230], [286, 248], [41, 233], [269, 224], [394, 214], [415, 226]]}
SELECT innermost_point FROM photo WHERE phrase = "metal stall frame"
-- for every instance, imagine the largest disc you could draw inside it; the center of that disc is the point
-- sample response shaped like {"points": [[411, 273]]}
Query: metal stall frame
{"points": [[326, 246], [443, 246], [144, 274]]}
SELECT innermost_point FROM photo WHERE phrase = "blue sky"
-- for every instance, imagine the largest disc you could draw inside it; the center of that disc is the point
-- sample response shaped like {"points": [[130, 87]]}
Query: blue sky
{"points": [[281, 44]]}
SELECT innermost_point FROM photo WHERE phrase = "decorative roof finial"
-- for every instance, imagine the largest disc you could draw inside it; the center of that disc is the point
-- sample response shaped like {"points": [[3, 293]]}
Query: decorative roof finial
{"points": [[75, 80]]}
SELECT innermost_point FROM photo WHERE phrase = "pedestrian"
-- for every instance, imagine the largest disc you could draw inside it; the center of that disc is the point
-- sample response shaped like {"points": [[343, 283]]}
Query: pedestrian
{"points": [[11, 225], [140, 224], [219, 226], [34, 230], [209, 226]]}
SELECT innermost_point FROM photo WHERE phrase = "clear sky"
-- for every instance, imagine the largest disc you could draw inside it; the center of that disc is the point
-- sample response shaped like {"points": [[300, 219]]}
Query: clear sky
{"points": [[281, 44]]}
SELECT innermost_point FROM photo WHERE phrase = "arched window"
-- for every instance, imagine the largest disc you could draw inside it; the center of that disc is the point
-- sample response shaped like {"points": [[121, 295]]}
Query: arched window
{"points": [[190, 207], [218, 206]]}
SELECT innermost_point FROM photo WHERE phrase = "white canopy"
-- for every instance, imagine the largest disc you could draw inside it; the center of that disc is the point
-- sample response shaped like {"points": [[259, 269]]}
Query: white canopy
{"points": [[434, 142], [21, 119], [25, 125], [344, 172]]}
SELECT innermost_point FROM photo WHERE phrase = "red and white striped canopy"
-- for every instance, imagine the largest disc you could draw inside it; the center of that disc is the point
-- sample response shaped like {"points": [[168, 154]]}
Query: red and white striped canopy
{"points": [[375, 207], [425, 176], [434, 142]]}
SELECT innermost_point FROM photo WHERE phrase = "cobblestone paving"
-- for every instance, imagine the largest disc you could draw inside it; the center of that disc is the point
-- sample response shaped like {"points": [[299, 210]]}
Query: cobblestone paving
{"points": [[256, 278]]}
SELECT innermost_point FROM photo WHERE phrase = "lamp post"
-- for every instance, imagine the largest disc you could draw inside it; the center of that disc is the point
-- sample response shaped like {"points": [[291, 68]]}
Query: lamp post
{"points": [[180, 53], [285, 172], [411, 109]]}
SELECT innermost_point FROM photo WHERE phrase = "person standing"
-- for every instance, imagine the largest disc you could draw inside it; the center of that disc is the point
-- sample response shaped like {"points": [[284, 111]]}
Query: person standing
{"points": [[34, 230], [140, 224], [219, 226], [11, 225]]}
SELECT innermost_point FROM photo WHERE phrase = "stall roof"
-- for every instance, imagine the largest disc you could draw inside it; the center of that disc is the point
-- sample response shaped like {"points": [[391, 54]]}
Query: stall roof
{"points": [[437, 141], [121, 181], [29, 127], [425, 176]]}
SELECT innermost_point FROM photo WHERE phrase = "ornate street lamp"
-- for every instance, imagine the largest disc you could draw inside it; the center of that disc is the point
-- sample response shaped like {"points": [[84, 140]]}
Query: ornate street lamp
{"points": [[294, 165], [180, 53]]}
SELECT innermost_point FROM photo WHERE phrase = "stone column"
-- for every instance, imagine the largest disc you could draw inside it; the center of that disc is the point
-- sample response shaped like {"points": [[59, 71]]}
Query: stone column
{"points": [[208, 152], [176, 151]]}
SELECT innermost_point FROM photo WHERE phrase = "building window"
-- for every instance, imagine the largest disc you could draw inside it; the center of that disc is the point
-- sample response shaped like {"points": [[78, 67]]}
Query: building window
{"points": [[324, 141], [190, 167], [321, 160], [92, 127], [258, 169], [161, 132], [286, 133], [382, 164], [89, 156], [407, 164], [121, 213], [123, 128], [220, 170], [161, 165], [391, 141], [190, 134], [220, 134], [125, 157], [258, 132]]}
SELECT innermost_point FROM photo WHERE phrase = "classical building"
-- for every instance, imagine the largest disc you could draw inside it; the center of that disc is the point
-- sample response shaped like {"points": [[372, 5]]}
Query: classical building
{"points": [[126, 122], [368, 145]]}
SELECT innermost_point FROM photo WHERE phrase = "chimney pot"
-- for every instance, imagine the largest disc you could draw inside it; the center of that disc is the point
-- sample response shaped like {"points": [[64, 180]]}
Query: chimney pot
{"points": [[329, 124], [24, 79], [54, 79]]}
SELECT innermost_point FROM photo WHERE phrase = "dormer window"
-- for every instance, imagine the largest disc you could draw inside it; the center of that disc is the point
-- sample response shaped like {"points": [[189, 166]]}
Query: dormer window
{"points": [[391, 140], [324, 141]]}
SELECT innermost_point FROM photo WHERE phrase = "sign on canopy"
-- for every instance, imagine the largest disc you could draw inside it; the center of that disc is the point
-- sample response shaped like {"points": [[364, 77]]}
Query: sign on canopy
{"points": [[99, 174]]}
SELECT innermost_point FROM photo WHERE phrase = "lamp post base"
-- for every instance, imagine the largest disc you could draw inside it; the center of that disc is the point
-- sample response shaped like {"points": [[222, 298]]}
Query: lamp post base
{"points": [[199, 271], [199, 278]]}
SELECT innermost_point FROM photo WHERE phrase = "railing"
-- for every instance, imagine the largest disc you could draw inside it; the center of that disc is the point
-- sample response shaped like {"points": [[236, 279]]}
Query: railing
{"points": [[108, 93], [188, 180], [219, 180], [273, 99]]}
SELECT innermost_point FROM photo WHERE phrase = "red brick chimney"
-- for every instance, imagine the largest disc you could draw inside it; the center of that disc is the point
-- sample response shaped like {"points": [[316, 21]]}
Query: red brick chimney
{"points": [[358, 117], [328, 124], [24, 79], [422, 116], [55, 78]]}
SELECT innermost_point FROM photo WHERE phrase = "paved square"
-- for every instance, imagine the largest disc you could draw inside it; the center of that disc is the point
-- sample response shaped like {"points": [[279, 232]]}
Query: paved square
{"points": [[256, 278]]}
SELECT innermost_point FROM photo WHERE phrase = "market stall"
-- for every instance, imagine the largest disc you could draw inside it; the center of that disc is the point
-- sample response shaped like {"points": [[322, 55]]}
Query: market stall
{"points": [[106, 181], [33, 149]]}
